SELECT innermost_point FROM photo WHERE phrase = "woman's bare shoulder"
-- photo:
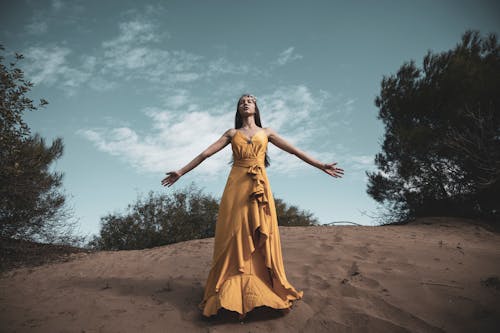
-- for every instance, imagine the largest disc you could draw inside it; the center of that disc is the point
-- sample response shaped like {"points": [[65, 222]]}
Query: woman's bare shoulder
{"points": [[270, 131], [230, 133]]}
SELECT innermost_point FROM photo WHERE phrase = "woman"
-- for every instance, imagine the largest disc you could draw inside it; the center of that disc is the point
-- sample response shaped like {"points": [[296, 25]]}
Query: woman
{"points": [[247, 266]]}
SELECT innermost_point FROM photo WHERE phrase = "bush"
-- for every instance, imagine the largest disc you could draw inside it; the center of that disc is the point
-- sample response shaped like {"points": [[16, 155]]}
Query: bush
{"points": [[161, 219]]}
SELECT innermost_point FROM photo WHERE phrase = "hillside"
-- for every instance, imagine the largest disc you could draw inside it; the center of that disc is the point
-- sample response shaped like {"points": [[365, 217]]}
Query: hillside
{"points": [[434, 275]]}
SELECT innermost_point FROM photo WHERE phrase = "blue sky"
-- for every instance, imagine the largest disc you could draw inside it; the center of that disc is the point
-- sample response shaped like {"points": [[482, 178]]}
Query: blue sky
{"points": [[137, 89]]}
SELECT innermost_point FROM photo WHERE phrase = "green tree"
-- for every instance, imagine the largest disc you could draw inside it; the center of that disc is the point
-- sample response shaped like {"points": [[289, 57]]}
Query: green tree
{"points": [[441, 150], [31, 204], [293, 216]]}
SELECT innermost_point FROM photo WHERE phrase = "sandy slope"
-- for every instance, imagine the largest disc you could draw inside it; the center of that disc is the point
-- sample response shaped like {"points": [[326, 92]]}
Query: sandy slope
{"points": [[438, 275]]}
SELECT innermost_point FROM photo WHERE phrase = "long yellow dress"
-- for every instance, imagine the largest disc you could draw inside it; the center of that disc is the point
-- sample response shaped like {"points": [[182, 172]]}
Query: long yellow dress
{"points": [[247, 266]]}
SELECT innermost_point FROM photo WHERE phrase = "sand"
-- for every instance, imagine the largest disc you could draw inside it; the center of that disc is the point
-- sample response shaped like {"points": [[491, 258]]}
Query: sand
{"points": [[435, 275]]}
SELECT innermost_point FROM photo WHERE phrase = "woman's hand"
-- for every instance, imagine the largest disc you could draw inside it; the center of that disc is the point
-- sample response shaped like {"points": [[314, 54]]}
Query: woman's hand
{"points": [[332, 170], [172, 177]]}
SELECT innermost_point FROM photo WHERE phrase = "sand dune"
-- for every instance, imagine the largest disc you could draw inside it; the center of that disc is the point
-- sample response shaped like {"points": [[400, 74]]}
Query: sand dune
{"points": [[435, 275]]}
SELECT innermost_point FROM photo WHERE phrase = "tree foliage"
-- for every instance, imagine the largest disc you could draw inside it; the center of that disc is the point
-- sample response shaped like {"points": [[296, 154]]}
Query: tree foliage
{"points": [[293, 215], [161, 219], [13, 103], [31, 204], [441, 150]]}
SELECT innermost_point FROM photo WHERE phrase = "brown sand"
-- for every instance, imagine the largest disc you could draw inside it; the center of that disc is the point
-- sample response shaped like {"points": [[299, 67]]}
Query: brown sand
{"points": [[436, 275]]}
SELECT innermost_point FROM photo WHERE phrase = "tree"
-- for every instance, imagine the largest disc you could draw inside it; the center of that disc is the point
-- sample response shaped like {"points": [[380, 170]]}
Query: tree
{"points": [[293, 216], [31, 206], [441, 150]]}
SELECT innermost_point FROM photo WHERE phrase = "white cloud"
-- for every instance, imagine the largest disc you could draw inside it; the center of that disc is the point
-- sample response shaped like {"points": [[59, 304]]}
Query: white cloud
{"points": [[292, 107], [131, 55], [132, 32], [179, 131], [176, 98], [57, 5], [139, 51], [356, 165], [55, 13], [37, 26], [287, 56], [174, 138], [362, 162], [134, 54], [50, 66], [294, 113], [174, 141], [100, 84], [224, 66], [184, 77]]}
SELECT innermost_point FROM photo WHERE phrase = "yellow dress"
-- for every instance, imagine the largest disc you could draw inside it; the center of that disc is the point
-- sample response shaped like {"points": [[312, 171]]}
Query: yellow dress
{"points": [[247, 266]]}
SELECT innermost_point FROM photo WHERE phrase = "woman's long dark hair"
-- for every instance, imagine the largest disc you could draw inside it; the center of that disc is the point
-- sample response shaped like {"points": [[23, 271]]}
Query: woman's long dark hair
{"points": [[238, 122]]}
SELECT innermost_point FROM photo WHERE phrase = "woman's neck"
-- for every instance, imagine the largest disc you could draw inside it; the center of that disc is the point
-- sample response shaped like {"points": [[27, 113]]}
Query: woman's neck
{"points": [[248, 123]]}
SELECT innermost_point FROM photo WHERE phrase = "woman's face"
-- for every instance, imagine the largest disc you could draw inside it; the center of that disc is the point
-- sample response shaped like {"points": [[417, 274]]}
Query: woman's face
{"points": [[246, 106]]}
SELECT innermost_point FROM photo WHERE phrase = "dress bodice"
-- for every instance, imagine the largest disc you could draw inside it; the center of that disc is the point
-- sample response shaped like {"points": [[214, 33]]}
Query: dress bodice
{"points": [[250, 153], [249, 148]]}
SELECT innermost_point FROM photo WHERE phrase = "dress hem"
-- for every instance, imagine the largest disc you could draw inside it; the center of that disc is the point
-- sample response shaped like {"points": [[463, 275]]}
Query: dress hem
{"points": [[248, 284]]}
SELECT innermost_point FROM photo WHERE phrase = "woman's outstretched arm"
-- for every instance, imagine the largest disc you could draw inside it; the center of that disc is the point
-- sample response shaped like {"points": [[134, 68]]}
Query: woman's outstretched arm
{"points": [[281, 143], [173, 176]]}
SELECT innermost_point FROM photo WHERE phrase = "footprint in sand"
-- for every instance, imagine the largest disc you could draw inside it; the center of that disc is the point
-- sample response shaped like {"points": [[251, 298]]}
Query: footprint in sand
{"points": [[361, 280], [369, 283], [327, 247], [306, 269], [363, 252], [381, 260], [319, 281], [354, 270], [348, 290]]}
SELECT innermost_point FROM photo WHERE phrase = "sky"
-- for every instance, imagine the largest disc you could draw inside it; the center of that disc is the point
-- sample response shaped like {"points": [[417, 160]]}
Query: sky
{"points": [[140, 88]]}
